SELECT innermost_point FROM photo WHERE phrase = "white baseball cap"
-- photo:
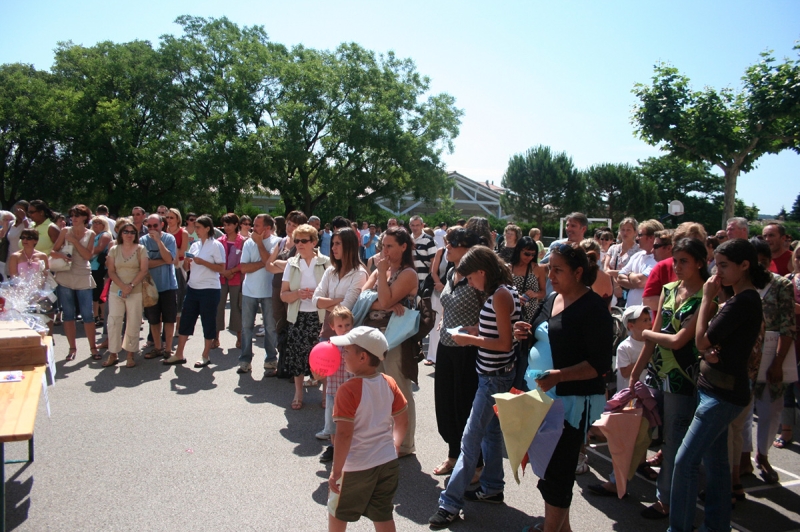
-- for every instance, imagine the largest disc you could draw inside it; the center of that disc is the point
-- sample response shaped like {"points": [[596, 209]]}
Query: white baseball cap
{"points": [[633, 313], [368, 338]]}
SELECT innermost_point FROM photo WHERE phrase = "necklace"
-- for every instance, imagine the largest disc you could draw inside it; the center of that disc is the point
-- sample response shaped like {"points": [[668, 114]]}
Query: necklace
{"points": [[29, 259]]}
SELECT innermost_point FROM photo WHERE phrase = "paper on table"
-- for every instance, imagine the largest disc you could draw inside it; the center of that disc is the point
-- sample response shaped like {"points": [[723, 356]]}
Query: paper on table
{"points": [[11, 376], [768, 351]]}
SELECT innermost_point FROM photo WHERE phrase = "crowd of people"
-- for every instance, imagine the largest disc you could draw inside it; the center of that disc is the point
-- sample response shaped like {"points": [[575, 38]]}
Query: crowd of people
{"points": [[708, 325]]}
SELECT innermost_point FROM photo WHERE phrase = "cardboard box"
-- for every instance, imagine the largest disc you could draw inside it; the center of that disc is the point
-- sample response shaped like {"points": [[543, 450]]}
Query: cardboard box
{"points": [[20, 345], [19, 338]]}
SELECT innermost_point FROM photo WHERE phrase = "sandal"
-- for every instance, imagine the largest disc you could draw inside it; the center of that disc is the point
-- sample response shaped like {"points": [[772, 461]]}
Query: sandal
{"points": [[655, 460], [71, 354], [647, 472], [131, 363], [297, 404], [310, 383], [445, 468], [111, 361], [767, 473], [202, 363], [96, 355], [171, 361], [782, 443], [738, 496], [155, 353]]}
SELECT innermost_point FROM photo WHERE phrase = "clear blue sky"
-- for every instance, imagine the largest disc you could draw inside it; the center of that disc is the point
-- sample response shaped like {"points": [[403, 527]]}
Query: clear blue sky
{"points": [[525, 73]]}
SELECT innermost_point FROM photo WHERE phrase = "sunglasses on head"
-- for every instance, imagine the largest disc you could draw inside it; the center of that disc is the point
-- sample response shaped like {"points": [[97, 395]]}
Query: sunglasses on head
{"points": [[302, 240], [566, 250]]}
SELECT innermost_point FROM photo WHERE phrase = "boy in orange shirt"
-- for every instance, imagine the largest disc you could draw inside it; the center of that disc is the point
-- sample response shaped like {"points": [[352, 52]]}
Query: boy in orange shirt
{"points": [[371, 421]]}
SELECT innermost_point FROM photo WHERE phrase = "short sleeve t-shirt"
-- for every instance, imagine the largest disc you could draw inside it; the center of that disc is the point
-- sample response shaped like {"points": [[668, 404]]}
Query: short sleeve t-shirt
{"points": [[734, 330], [660, 275], [164, 275], [202, 277], [781, 264], [643, 263], [257, 284], [627, 355], [369, 403]]}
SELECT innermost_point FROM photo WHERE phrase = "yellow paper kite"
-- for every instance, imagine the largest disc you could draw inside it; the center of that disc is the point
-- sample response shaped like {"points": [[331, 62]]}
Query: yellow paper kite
{"points": [[520, 417]]}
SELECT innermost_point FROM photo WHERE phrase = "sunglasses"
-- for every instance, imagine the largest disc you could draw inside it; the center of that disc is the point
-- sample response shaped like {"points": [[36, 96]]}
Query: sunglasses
{"points": [[128, 232], [659, 246], [302, 240], [245, 223], [192, 220], [606, 239], [529, 253], [152, 226], [566, 250], [28, 238], [642, 235]]}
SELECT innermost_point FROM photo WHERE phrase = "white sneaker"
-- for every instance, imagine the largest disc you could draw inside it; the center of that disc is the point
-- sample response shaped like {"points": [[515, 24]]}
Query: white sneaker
{"points": [[260, 332], [322, 436], [244, 367], [270, 365]]}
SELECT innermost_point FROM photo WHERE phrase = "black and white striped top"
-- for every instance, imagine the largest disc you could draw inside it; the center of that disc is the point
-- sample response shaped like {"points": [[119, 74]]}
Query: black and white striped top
{"points": [[489, 361]]}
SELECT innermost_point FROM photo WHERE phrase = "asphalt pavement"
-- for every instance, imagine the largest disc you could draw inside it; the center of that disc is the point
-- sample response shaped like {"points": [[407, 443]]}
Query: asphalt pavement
{"points": [[173, 448]]}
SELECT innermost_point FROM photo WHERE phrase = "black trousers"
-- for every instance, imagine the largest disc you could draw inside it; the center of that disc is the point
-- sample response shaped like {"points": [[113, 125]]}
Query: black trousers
{"points": [[455, 385]]}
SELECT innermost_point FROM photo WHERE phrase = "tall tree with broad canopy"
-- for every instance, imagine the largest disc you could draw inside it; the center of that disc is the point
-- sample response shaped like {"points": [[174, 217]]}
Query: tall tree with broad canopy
{"points": [[618, 190], [540, 184], [693, 184], [727, 129], [33, 110]]}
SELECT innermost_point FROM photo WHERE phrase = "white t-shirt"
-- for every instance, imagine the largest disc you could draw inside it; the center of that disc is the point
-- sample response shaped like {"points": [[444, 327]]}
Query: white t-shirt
{"points": [[643, 263], [257, 284], [438, 237], [203, 277], [307, 280], [627, 354], [369, 403]]}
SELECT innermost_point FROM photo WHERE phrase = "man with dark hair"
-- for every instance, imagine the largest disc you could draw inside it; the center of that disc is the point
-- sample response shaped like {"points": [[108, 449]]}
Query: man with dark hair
{"points": [[576, 225], [775, 235], [257, 292], [424, 248]]}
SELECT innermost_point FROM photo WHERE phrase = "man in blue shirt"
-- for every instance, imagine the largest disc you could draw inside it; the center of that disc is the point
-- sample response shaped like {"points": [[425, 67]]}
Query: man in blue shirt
{"points": [[370, 242], [162, 251], [257, 292]]}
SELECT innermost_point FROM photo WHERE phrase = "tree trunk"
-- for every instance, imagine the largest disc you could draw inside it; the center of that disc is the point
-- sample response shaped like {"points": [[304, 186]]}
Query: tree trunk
{"points": [[731, 174]]}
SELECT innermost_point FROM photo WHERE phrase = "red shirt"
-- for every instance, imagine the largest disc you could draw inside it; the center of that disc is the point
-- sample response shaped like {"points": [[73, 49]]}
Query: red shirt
{"points": [[781, 264], [661, 274]]}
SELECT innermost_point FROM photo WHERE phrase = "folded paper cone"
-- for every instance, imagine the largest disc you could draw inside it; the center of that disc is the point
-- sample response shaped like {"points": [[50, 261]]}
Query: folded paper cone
{"points": [[621, 429], [520, 417]]}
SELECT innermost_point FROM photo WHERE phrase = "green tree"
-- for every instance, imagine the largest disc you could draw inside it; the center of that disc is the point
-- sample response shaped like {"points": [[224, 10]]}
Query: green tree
{"points": [[33, 108], [538, 182], [351, 126], [123, 142], [742, 210], [693, 184], [618, 190], [727, 129], [795, 213]]}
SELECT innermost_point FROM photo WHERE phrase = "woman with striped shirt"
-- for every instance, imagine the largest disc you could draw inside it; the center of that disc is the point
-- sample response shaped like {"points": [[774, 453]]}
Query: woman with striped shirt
{"points": [[494, 338]]}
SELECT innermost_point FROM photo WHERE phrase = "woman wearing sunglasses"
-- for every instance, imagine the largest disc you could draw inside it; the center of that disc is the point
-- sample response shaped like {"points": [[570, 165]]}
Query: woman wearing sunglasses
{"points": [[529, 277], [127, 265], [301, 277], [27, 261], [76, 283], [205, 260]]}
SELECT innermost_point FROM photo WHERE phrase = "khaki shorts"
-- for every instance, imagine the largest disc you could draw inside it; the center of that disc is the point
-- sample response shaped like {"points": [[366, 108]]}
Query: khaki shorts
{"points": [[369, 493]]}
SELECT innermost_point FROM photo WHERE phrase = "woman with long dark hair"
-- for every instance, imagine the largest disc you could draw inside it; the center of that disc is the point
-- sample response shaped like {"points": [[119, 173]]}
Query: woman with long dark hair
{"points": [[727, 340], [529, 277], [495, 365], [396, 283]]}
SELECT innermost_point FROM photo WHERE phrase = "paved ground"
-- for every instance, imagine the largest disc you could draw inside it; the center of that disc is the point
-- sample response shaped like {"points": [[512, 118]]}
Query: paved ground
{"points": [[173, 448]]}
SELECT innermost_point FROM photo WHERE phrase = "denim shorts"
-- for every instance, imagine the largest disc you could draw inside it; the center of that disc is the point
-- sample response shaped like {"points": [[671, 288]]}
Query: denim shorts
{"points": [[68, 298]]}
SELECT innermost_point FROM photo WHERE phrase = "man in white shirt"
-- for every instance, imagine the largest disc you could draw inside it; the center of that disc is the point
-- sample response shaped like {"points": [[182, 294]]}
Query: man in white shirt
{"points": [[257, 292], [634, 275], [102, 212], [439, 234]]}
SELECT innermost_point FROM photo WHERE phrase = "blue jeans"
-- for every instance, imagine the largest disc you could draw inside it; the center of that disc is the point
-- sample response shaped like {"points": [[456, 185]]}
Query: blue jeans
{"points": [[67, 297], [706, 440], [678, 414], [249, 310], [482, 433]]}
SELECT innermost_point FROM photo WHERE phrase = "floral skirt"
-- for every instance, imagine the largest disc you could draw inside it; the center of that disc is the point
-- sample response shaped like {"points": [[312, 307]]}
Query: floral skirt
{"points": [[303, 335]]}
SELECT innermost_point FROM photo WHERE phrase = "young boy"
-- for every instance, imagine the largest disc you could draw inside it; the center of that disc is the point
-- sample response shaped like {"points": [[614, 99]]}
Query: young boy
{"points": [[636, 319], [341, 322], [371, 421]]}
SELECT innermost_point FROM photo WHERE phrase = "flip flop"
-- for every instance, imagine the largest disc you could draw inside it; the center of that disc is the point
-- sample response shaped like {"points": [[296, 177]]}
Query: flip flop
{"points": [[780, 443], [171, 361], [297, 405], [202, 363], [110, 362], [647, 472], [445, 468]]}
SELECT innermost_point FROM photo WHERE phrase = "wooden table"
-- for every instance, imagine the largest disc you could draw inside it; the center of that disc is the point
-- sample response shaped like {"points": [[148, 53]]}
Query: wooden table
{"points": [[19, 402]]}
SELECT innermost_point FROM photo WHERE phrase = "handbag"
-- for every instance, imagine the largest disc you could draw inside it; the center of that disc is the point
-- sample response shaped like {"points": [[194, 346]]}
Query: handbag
{"points": [[149, 292], [62, 265]]}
